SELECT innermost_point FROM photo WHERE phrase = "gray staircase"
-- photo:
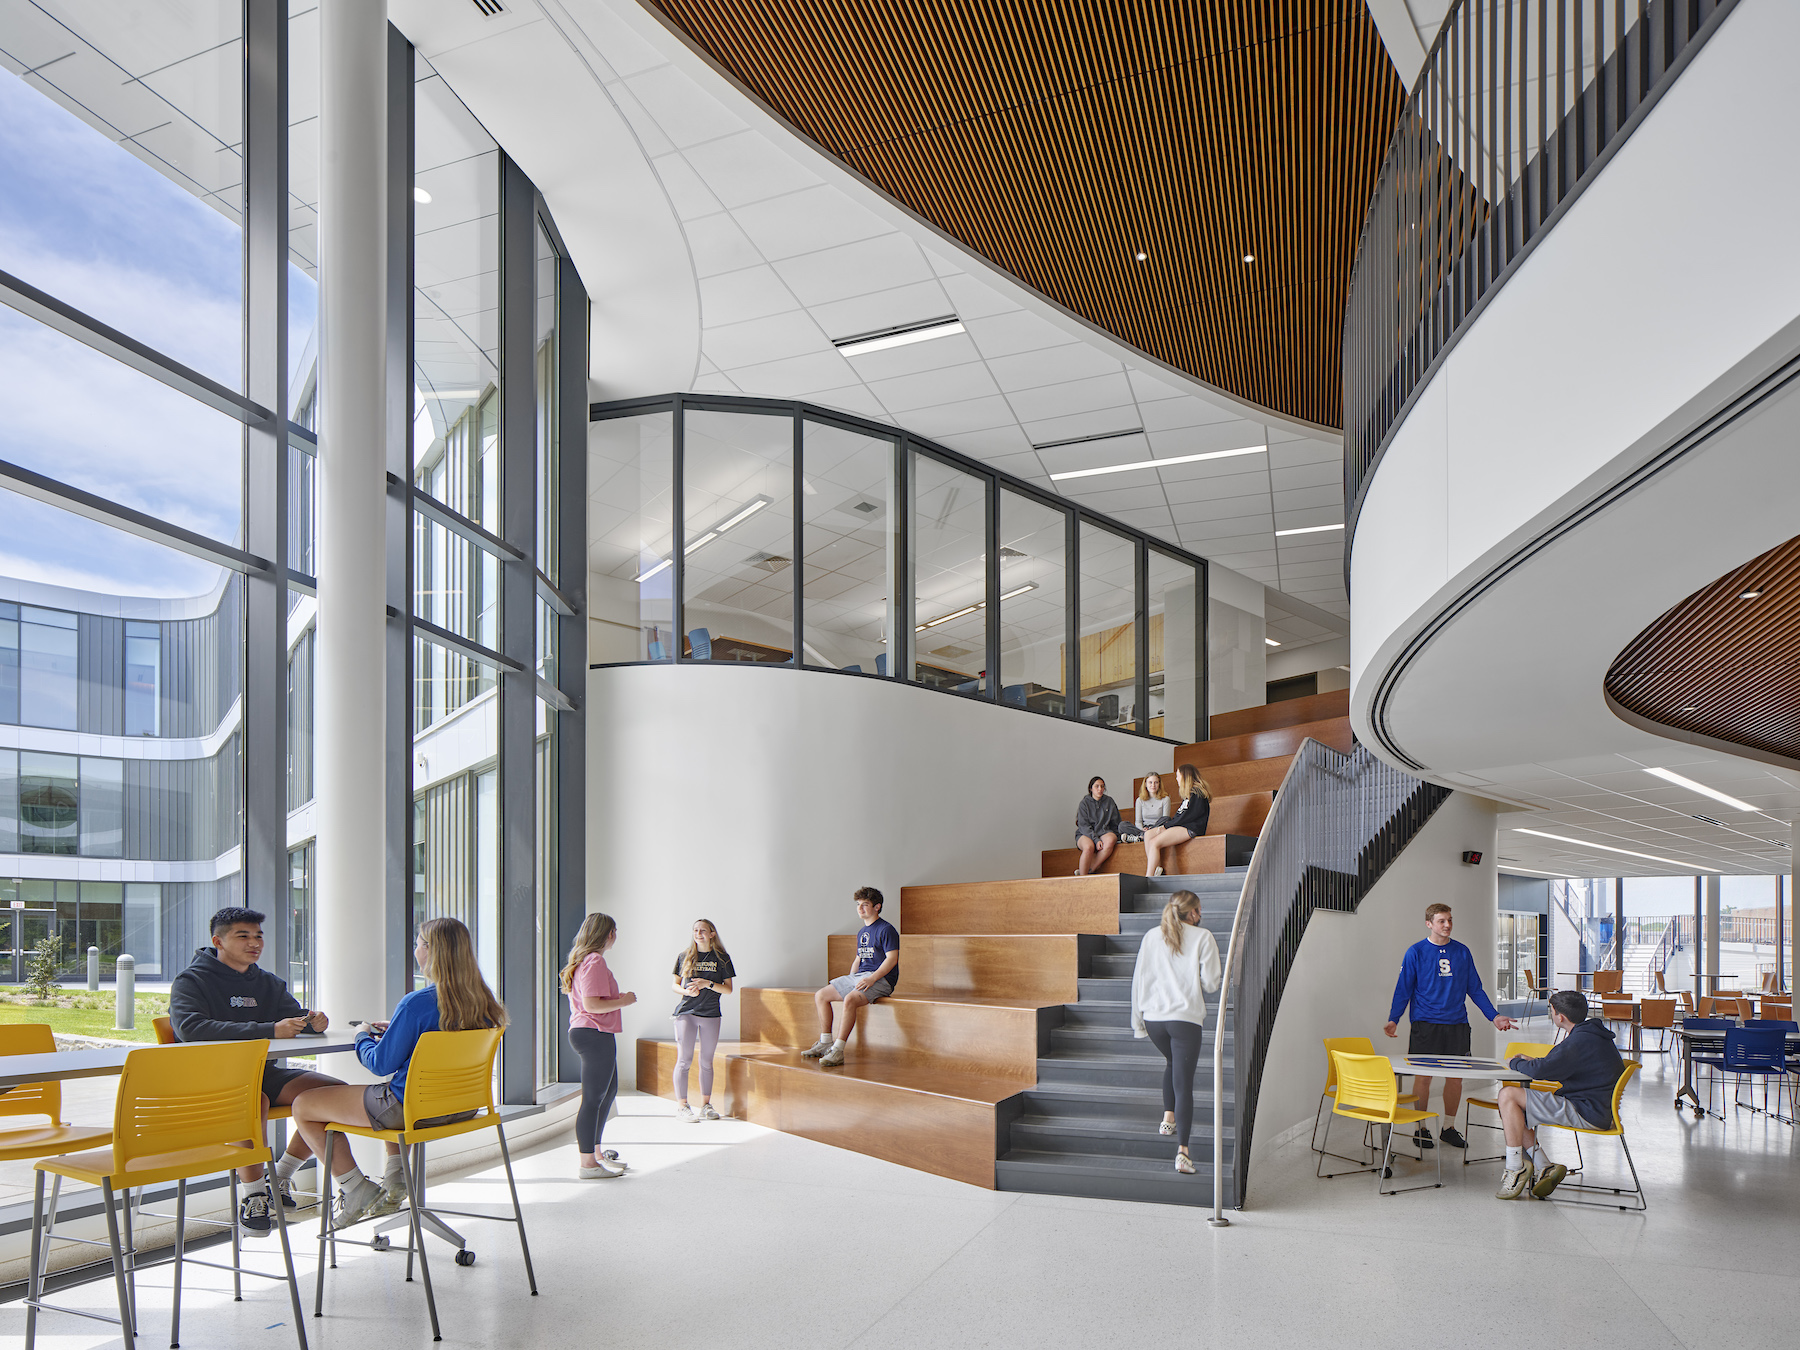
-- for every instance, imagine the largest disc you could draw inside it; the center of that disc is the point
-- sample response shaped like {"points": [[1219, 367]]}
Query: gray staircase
{"points": [[1089, 1126]]}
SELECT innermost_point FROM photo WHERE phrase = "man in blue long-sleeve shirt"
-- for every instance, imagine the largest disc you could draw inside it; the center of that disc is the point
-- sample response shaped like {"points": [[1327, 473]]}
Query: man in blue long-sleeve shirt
{"points": [[1437, 978]]}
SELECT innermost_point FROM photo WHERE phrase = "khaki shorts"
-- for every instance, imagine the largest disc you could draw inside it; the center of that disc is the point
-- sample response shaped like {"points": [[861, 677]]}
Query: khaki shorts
{"points": [[846, 986], [388, 1112]]}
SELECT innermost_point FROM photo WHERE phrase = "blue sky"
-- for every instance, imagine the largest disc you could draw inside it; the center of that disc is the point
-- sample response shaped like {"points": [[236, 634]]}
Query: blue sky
{"points": [[87, 221]]}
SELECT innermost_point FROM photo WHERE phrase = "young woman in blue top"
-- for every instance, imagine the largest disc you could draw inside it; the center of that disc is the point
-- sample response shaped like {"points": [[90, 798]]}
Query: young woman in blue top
{"points": [[457, 999]]}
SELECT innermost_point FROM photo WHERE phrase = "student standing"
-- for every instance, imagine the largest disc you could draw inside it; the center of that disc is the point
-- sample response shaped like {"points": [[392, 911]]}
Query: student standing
{"points": [[1437, 978], [702, 973], [594, 1024], [1187, 823], [456, 999], [1096, 827], [1177, 967], [873, 976]]}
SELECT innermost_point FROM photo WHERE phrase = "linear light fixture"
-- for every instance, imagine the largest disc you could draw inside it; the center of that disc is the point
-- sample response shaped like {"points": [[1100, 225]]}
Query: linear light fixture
{"points": [[970, 609], [1088, 440], [1308, 529], [737, 517], [1158, 463], [1703, 790], [1536, 872], [861, 344], [1272, 642], [1630, 853]]}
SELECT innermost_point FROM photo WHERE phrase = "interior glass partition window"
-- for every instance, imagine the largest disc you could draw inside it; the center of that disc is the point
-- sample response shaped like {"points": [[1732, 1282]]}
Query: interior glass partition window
{"points": [[548, 497], [1108, 627], [851, 549], [631, 533], [738, 523], [1034, 596], [303, 220], [1175, 673], [948, 530]]}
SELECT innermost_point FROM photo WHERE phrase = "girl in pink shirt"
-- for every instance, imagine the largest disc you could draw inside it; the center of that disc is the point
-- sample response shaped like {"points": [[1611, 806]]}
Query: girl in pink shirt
{"points": [[594, 1023]]}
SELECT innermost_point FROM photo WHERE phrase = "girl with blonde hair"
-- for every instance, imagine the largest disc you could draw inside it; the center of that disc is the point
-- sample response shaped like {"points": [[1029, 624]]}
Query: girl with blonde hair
{"points": [[1177, 967], [1187, 823], [702, 973], [456, 999], [594, 1024], [1152, 803]]}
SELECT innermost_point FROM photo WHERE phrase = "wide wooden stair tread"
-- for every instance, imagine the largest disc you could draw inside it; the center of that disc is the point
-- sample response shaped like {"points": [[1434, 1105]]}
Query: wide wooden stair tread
{"points": [[1288, 712], [902, 1073], [1196, 857], [1204, 755]]}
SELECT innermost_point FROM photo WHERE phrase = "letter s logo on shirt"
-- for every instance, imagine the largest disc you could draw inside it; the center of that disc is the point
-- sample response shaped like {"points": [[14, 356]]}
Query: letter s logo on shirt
{"points": [[1444, 966]]}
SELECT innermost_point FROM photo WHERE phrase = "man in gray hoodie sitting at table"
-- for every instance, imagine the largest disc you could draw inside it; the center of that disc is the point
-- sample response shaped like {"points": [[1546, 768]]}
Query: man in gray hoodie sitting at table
{"points": [[1585, 1065]]}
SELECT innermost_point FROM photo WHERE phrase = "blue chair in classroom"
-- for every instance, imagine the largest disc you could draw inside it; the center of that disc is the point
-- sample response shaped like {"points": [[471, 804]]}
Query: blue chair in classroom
{"points": [[1713, 1063], [657, 652], [1013, 694], [854, 670], [881, 664], [1757, 1052], [700, 645]]}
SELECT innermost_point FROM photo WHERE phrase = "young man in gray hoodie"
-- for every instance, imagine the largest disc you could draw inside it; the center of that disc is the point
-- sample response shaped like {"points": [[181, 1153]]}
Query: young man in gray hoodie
{"points": [[1586, 1064]]}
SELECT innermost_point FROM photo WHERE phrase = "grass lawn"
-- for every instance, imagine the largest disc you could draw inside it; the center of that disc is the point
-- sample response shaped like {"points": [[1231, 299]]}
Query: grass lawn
{"points": [[76, 1012]]}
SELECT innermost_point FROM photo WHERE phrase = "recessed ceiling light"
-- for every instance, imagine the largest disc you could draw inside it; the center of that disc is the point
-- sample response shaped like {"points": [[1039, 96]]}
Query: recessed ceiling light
{"points": [[1249, 257], [970, 609], [1630, 853], [1084, 440], [1307, 529], [903, 335], [737, 517], [1702, 789], [1159, 463], [1750, 595], [1272, 642], [421, 196], [1142, 257], [1692, 707]]}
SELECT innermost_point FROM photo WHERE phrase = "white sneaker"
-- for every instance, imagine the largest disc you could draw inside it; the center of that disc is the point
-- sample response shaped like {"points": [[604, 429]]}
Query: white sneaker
{"points": [[832, 1056], [355, 1199], [599, 1172], [817, 1048], [686, 1114], [1184, 1164], [707, 1112], [393, 1199]]}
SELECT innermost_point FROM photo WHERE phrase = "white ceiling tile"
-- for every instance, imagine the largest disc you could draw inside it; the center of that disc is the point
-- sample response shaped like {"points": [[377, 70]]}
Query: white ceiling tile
{"points": [[757, 341], [748, 168], [1112, 392], [928, 390], [974, 299], [1058, 366], [1011, 333], [1149, 518], [718, 245], [1315, 515], [1217, 487], [809, 221], [1117, 498], [1329, 473], [687, 193], [1099, 454], [855, 398], [1203, 440], [1169, 414], [684, 113], [913, 303], [1149, 389], [1296, 498], [882, 262], [795, 377], [1289, 454], [972, 415], [1292, 550], [749, 293], [1293, 571]]}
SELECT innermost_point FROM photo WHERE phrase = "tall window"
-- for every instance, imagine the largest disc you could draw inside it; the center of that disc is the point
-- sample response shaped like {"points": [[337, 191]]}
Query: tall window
{"points": [[852, 548], [738, 549], [949, 576], [1033, 601], [143, 678], [1109, 627]]}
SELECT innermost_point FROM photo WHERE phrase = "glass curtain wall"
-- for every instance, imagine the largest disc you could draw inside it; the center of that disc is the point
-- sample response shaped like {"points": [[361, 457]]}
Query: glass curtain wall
{"points": [[948, 534], [869, 568], [1109, 628]]}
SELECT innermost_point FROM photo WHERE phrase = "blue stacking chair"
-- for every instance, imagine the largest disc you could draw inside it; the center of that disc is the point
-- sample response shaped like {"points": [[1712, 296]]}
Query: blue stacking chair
{"points": [[1713, 1063], [700, 645], [1013, 694], [881, 664], [1757, 1052], [657, 652], [854, 670]]}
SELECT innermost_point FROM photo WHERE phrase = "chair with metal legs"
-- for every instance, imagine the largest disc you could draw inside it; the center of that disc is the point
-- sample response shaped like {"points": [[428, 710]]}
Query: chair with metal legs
{"points": [[1533, 1050], [449, 1092], [1351, 1045], [183, 1111], [1368, 1093], [1615, 1130]]}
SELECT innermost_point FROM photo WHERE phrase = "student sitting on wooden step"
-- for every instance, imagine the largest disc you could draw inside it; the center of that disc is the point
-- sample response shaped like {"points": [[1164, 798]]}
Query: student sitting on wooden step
{"points": [[872, 978]]}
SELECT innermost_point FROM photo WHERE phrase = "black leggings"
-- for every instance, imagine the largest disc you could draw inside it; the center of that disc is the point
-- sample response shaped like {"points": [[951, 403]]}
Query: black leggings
{"points": [[599, 1051], [1180, 1046]]}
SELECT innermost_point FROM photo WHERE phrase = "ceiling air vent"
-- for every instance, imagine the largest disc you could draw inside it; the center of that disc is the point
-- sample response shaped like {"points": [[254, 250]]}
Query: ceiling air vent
{"points": [[489, 9], [770, 562], [1006, 553]]}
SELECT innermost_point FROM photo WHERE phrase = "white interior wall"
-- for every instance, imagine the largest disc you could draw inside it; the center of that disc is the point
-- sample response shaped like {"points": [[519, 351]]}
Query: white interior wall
{"points": [[1236, 652], [1344, 973], [761, 799]]}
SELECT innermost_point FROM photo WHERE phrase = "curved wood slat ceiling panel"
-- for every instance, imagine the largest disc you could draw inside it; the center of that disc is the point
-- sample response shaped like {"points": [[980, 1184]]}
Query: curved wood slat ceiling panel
{"points": [[1059, 139], [1735, 663]]}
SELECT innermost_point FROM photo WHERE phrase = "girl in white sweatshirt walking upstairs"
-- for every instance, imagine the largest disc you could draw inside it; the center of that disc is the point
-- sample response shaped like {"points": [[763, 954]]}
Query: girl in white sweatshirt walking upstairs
{"points": [[1177, 967]]}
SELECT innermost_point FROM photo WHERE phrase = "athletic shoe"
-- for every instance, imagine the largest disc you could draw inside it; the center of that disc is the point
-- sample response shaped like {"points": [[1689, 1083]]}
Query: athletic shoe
{"points": [[1451, 1137], [1550, 1179], [1184, 1164], [285, 1189], [686, 1114], [355, 1198], [1167, 1127], [817, 1048], [253, 1213], [707, 1112], [1422, 1137], [1514, 1182], [599, 1172], [392, 1200], [833, 1057]]}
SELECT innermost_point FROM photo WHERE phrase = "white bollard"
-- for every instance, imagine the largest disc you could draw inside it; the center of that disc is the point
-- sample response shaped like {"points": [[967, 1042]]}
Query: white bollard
{"points": [[127, 994], [93, 970]]}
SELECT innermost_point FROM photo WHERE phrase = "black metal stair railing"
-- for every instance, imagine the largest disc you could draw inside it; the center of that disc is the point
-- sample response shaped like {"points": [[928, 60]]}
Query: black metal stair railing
{"points": [[1338, 823]]}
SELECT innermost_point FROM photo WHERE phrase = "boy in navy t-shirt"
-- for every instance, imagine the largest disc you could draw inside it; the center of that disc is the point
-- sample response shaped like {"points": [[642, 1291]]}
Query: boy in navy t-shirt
{"points": [[872, 977], [1437, 978]]}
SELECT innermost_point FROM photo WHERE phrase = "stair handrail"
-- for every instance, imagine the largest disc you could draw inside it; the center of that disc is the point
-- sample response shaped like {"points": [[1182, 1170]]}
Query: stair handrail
{"points": [[1234, 960]]}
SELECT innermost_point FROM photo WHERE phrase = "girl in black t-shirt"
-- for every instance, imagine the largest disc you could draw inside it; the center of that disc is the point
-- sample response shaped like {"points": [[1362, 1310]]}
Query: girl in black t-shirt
{"points": [[702, 973]]}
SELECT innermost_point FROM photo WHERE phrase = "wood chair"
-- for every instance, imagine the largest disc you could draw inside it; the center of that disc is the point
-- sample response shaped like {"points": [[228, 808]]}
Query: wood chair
{"points": [[1707, 1002], [1658, 1015], [1733, 1007], [1537, 992], [1617, 1010], [1609, 981]]}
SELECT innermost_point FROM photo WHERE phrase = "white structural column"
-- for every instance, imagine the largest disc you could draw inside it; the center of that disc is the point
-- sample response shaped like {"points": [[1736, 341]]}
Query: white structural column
{"points": [[1712, 930], [350, 670]]}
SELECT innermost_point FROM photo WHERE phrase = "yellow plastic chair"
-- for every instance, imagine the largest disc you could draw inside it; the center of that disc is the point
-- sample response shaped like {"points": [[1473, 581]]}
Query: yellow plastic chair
{"points": [[1367, 1092], [451, 1074], [1535, 1050], [183, 1111], [1617, 1131], [31, 1142], [1352, 1045]]}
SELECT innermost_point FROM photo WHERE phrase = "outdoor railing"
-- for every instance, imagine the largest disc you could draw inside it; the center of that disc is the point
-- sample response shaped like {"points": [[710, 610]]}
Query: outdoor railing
{"points": [[1337, 823], [1519, 104]]}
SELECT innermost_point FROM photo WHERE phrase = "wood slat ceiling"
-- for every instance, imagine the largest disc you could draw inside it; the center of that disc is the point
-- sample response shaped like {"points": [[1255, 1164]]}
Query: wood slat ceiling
{"points": [[1059, 139], [1735, 663]]}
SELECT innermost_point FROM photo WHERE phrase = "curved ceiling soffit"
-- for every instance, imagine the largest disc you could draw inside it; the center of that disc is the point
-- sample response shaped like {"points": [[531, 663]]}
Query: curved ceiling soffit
{"points": [[1193, 131], [1722, 668]]}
